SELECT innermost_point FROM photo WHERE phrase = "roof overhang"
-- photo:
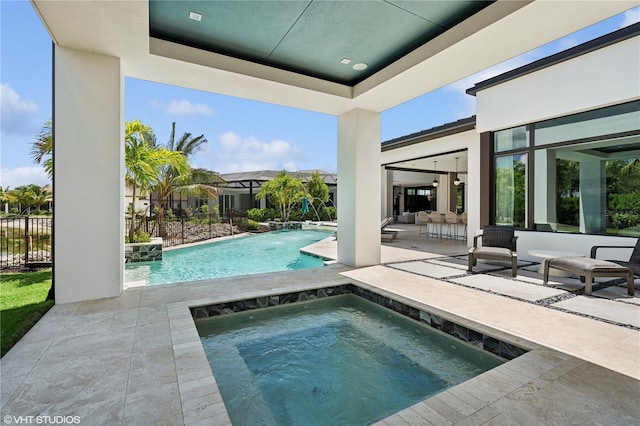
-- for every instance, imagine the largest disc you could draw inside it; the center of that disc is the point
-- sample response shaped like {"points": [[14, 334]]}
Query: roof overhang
{"points": [[499, 32]]}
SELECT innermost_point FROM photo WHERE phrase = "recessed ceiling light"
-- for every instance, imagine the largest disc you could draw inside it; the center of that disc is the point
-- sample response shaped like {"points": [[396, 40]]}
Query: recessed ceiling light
{"points": [[345, 61], [360, 66], [195, 16]]}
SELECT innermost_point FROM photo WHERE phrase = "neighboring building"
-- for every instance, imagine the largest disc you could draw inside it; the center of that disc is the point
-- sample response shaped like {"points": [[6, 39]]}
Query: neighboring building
{"points": [[141, 203], [547, 143], [240, 191]]}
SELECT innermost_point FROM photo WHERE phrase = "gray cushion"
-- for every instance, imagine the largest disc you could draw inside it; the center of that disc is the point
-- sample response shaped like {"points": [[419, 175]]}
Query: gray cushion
{"points": [[585, 264], [496, 253]]}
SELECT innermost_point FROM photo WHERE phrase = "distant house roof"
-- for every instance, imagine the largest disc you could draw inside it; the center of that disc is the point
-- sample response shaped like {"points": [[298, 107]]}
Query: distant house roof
{"points": [[581, 49], [256, 178], [446, 129]]}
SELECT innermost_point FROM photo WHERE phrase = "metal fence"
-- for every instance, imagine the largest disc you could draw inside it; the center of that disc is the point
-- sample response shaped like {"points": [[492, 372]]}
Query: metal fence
{"points": [[191, 228], [25, 241]]}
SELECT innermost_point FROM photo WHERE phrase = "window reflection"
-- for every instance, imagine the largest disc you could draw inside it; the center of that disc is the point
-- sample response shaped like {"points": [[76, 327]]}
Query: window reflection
{"points": [[511, 185], [586, 173]]}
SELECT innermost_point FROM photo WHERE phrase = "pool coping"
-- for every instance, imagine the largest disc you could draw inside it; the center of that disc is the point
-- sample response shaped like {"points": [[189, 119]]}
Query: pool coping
{"points": [[201, 398]]}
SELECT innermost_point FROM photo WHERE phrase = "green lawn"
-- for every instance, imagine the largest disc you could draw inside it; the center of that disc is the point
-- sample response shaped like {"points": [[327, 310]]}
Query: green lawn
{"points": [[22, 304]]}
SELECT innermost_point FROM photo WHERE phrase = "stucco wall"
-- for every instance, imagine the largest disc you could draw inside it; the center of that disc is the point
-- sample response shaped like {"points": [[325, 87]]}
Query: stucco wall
{"points": [[597, 79]]}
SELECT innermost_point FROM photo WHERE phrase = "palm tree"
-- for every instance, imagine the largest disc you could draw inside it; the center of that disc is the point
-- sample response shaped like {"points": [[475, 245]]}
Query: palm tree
{"points": [[144, 162], [283, 191], [7, 197], [195, 182], [42, 149], [29, 196]]}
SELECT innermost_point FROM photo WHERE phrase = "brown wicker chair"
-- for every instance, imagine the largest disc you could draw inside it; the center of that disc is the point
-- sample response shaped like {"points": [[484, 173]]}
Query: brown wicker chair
{"points": [[634, 261], [498, 243]]}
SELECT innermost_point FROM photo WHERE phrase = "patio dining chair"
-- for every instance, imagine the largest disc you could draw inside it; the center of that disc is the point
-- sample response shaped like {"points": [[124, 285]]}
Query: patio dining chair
{"points": [[436, 220], [423, 219], [498, 243], [451, 220]]}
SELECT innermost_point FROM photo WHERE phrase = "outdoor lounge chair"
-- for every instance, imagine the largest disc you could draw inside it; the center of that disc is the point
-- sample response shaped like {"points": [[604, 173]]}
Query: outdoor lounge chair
{"points": [[498, 243], [588, 268], [634, 261], [387, 234]]}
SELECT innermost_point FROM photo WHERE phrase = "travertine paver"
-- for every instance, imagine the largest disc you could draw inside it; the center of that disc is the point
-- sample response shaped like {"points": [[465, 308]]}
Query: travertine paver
{"points": [[429, 269], [603, 308], [508, 287]]}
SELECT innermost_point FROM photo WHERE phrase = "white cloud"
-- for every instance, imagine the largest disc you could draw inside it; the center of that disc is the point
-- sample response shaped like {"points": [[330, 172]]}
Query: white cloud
{"points": [[183, 107], [568, 43], [236, 154], [19, 176], [17, 115], [631, 16]]}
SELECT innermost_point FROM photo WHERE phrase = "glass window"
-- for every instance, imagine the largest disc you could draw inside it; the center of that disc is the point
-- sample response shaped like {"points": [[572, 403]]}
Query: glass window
{"points": [[511, 190], [509, 139], [591, 188], [615, 119], [588, 182]]}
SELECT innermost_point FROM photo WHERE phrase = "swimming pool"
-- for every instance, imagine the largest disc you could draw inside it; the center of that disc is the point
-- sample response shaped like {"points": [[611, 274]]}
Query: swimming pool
{"points": [[340, 360], [252, 254]]}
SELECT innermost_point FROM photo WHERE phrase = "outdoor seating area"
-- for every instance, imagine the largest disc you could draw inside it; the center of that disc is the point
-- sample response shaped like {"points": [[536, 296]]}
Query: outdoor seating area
{"points": [[448, 225], [527, 269]]}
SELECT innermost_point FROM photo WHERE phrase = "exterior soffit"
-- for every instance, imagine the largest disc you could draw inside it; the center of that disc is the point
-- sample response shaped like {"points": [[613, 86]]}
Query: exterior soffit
{"points": [[120, 29]]}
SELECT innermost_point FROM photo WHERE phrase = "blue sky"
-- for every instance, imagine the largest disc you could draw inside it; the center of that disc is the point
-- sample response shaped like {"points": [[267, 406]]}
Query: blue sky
{"points": [[243, 135]]}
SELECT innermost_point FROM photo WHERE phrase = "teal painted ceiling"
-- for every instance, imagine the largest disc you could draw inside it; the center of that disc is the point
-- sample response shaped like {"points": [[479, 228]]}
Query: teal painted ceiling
{"points": [[310, 37]]}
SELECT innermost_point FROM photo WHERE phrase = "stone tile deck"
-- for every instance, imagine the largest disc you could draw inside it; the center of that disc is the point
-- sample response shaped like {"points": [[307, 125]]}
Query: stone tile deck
{"points": [[137, 359]]}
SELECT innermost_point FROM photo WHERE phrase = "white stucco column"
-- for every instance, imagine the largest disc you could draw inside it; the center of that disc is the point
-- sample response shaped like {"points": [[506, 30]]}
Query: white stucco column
{"points": [[359, 197], [88, 176], [473, 193]]}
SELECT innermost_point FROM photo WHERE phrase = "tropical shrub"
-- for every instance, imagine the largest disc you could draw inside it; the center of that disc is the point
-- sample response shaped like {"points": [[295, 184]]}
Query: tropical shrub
{"points": [[624, 220], [569, 211], [215, 215], [284, 192], [255, 214], [139, 237], [252, 225], [262, 215], [317, 189], [626, 202]]}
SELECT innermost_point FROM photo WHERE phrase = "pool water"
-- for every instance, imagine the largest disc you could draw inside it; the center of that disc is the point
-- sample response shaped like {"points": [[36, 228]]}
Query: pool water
{"points": [[253, 254], [336, 361]]}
